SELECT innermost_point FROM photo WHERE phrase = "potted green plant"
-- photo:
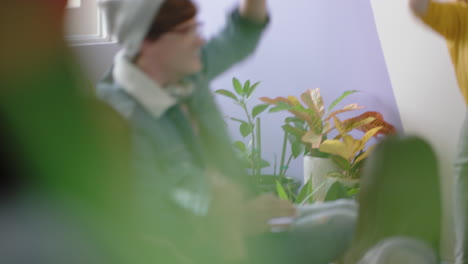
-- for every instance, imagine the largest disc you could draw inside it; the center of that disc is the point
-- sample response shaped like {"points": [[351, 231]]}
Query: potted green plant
{"points": [[250, 149], [349, 154], [311, 124]]}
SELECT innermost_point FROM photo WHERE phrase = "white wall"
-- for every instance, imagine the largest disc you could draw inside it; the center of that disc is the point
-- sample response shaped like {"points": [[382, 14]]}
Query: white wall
{"points": [[425, 89]]}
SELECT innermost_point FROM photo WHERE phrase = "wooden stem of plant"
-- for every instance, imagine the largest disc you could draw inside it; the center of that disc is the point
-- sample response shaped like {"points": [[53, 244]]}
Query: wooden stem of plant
{"points": [[259, 147], [283, 154]]}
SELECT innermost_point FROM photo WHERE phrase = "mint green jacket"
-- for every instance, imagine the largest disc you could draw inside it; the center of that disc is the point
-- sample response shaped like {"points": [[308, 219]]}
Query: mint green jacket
{"points": [[170, 158]]}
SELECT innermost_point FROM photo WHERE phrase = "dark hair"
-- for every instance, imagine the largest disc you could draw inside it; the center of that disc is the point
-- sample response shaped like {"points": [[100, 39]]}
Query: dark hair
{"points": [[399, 196], [171, 14]]}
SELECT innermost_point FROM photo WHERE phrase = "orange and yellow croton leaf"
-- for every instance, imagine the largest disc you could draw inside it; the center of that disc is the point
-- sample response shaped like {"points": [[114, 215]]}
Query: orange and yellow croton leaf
{"points": [[312, 138], [347, 108], [365, 154], [335, 147], [291, 101], [314, 101], [387, 129]]}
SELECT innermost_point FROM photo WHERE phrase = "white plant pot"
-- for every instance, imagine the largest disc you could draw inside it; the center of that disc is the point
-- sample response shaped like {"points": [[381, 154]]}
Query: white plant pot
{"points": [[317, 168]]}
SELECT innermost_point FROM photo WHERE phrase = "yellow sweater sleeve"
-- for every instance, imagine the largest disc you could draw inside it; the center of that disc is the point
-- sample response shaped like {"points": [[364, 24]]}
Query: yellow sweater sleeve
{"points": [[446, 18]]}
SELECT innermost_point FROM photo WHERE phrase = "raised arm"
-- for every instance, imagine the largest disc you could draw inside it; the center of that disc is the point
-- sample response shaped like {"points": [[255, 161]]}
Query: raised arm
{"points": [[254, 10], [237, 40]]}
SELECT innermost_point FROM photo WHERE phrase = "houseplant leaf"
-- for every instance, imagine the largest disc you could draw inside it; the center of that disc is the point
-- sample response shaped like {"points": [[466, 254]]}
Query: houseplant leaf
{"points": [[352, 192], [318, 101], [335, 175], [358, 123], [294, 130], [365, 154], [339, 126], [347, 108], [252, 89], [353, 146], [307, 99], [297, 148], [305, 191], [281, 192], [316, 125], [240, 146], [314, 102], [341, 162], [337, 191], [227, 94], [258, 109], [312, 138], [246, 87], [280, 106], [327, 127], [264, 163], [311, 195], [275, 101], [336, 147], [246, 129], [294, 102], [238, 120], [378, 121], [369, 134], [285, 104], [237, 86], [298, 123], [339, 99]]}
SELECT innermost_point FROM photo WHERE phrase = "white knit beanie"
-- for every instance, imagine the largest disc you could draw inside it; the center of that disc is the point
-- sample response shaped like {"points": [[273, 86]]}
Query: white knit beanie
{"points": [[128, 21]]}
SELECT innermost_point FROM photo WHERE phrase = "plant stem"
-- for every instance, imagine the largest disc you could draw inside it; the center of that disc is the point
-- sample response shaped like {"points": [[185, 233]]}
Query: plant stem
{"points": [[274, 167], [283, 153], [287, 165], [243, 104], [259, 147]]}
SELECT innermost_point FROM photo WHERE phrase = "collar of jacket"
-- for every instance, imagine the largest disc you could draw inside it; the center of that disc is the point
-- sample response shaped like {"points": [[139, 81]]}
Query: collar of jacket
{"points": [[152, 96]]}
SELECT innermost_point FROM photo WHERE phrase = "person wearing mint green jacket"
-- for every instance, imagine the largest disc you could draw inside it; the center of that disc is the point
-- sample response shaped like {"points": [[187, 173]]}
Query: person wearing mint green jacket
{"points": [[450, 20], [192, 192]]}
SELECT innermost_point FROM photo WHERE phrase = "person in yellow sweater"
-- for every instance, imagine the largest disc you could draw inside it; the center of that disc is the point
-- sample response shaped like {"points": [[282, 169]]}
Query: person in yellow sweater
{"points": [[450, 19]]}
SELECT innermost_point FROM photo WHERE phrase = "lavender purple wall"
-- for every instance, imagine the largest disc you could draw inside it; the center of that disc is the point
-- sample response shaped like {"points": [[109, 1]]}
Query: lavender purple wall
{"points": [[327, 44]]}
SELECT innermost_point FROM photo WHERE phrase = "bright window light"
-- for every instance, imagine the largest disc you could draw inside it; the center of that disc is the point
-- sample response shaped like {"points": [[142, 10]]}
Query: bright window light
{"points": [[73, 3]]}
